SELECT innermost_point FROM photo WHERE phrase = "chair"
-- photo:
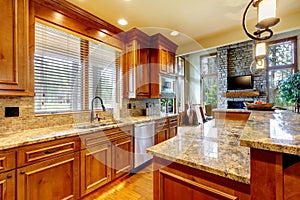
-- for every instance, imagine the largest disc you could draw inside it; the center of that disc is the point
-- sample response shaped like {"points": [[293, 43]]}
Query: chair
{"points": [[200, 114]]}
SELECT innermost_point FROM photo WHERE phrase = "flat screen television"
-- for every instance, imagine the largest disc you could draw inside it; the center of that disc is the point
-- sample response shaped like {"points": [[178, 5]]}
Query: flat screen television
{"points": [[240, 82]]}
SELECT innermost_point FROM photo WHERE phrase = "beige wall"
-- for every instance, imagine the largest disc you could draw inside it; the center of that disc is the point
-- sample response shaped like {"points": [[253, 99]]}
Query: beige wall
{"points": [[287, 23]]}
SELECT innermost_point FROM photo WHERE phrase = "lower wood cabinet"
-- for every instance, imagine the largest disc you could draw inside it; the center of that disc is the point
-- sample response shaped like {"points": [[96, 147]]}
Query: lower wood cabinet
{"points": [[105, 156], [95, 167], [7, 185], [122, 154], [165, 129], [176, 181], [227, 115], [61, 169], [56, 178]]}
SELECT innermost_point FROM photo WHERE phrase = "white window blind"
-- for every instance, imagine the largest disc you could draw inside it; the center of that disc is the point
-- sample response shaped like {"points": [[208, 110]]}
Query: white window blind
{"points": [[70, 71], [102, 73]]}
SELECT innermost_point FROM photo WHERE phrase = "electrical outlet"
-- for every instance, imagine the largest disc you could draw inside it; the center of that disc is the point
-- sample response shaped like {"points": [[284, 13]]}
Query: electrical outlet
{"points": [[11, 111]]}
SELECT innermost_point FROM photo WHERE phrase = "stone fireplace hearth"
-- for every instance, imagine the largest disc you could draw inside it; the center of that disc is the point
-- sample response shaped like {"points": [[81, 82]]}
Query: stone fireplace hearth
{"points": [[235, 60]]}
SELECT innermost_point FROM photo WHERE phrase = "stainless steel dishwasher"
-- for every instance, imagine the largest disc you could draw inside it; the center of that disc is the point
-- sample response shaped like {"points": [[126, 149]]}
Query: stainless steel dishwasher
{"points": [[143, 139]]}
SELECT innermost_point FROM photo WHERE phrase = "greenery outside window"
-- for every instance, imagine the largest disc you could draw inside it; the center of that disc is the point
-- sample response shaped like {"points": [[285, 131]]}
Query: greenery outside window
{"points": [[281, 63], [70, 70], [209, 80]]}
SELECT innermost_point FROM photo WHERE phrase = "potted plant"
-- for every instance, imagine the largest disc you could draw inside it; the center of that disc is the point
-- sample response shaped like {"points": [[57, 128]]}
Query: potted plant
{"points": [[289, 90]]}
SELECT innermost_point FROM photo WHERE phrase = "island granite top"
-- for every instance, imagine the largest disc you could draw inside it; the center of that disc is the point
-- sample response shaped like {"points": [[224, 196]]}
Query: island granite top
{"points": [[213, 147], [277, 131]]}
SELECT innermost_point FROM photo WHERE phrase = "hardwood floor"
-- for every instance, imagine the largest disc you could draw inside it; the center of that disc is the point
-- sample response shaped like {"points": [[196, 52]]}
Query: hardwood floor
{"points": [[137, 186]]}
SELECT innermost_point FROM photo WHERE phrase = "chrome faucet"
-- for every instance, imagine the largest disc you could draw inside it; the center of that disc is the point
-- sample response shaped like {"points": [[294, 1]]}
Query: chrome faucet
{"points": [[92, 109]]}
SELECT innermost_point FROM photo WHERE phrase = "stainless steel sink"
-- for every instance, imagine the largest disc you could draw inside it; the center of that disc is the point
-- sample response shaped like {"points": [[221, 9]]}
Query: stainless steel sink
{"points": [[90, 126]]}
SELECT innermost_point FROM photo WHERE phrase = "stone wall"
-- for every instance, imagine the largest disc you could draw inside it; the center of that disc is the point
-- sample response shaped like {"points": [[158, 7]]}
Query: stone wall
{"points": [[234, 60], [27, 118]]}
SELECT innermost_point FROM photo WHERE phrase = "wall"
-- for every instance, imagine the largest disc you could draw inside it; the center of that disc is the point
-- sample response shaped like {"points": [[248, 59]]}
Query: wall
{"points": [[28, 120], [138, 107], [240, 56]]}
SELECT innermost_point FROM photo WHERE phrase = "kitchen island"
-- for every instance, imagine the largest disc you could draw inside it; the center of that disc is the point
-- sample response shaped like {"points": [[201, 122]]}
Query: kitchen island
{"points": [[208, 162]]}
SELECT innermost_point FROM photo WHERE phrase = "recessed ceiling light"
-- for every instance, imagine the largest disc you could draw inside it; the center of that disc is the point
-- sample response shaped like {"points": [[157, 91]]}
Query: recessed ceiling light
{"points": [[122, 22], [174, 33]]}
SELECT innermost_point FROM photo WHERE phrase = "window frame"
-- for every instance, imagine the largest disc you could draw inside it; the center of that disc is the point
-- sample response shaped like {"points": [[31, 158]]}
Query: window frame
{"points": [[293, 66], [84, 43], [202, 75]]}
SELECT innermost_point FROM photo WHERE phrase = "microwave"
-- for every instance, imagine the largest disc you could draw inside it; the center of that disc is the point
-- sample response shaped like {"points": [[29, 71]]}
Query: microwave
{"points": [[167, 85]]}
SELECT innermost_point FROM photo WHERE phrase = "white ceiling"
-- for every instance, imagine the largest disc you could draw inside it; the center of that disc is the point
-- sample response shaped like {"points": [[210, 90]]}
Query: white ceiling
{"points": [[193, 19]]}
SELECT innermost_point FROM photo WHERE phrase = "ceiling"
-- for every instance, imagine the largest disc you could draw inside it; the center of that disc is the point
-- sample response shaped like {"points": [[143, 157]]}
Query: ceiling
{"points": [[193, 19]]}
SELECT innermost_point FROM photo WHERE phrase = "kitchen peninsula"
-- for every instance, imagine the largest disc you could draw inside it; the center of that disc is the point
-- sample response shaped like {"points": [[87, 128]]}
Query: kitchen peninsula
{"points": [[214, 161]]}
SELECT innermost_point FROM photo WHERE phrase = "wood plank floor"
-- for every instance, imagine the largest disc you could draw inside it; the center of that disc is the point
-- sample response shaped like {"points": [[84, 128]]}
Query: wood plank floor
{"points": [[137, 186]]}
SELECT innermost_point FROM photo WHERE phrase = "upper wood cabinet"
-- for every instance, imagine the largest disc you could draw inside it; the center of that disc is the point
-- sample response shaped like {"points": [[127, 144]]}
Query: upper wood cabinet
{"points": [[145, 58], [135, 68], [16, 73], [162, 61]]}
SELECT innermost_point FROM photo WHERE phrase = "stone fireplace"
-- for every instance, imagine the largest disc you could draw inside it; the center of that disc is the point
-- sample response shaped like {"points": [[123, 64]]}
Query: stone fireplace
{"points": [[235, 60]]}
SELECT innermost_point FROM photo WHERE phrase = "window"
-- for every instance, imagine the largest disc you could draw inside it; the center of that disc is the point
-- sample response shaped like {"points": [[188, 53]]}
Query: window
{"points": [[282, 62], [70, 71], [180, 83], [209, 80]]}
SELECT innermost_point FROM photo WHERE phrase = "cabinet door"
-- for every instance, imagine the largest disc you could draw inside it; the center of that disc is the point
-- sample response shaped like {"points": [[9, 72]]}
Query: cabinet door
{"points": [[14, 49], [161, 135], [7, 185], [173, 131], [95, 167], [171, 62], [52, 179], [143, 75], [173, 123], [122, 156], [163, 61], [129, 69]]}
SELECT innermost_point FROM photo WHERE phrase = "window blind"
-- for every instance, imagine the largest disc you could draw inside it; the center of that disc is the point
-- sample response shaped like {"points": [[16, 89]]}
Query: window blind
{"points": [[70, 71], [102, 74], [58, 71]]}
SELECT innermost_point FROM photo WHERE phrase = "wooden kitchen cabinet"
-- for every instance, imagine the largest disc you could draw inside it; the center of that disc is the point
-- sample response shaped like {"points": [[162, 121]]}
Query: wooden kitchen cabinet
{"points": [[7, 175], [56, 178], [16, 77], [135, 65], [161, 131], [173, 126], [176, 181], [162, 61], [122, 156], [105, 156], [95, 167], [7, 185], [49, 170], [165, 129]]}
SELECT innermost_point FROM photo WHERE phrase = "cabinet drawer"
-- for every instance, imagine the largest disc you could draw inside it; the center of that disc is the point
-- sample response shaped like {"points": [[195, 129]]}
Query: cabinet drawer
{"points": [[161, 123], [173, 121], [7, 161], [97, 138], [42, 151]]}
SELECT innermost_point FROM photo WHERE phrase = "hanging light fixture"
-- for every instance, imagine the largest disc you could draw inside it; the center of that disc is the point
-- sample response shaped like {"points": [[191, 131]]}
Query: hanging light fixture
{"points": [[266, 18], [260, 55]]}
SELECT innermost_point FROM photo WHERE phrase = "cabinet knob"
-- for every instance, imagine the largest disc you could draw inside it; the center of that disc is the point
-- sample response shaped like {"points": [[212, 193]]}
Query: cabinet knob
{"points": [[22, 172], [9, 176]]}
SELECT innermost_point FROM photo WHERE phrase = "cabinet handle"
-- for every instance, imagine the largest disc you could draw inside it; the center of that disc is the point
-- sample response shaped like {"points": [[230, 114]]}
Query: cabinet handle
{"points": [[9, 176], [52, 151], [22, 172]]}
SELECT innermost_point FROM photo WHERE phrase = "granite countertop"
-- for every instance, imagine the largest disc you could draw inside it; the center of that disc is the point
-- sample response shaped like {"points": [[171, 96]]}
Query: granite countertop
{"points": [[213, 147], [277, 131], [231, 110], [16, 139]]}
